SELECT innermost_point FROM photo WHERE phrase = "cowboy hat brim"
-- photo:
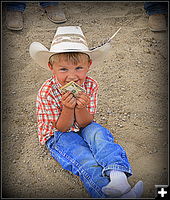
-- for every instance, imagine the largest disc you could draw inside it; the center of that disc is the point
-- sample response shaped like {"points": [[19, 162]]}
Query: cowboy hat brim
{"points": [[40, 54]]}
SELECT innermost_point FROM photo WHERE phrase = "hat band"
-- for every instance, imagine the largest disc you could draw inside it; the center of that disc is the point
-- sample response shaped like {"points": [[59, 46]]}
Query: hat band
{"points": [[69, 38], [69, 35], [68, 46]]}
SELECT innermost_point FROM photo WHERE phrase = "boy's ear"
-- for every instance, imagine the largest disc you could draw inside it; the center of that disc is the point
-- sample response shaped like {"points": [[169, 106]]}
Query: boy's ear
{"points": [[90, 63], [50, 66]]}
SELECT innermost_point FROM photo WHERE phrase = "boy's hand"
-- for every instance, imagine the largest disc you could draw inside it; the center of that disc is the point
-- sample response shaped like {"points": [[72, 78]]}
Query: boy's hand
{"points": [[68, 100], [82, 100]]}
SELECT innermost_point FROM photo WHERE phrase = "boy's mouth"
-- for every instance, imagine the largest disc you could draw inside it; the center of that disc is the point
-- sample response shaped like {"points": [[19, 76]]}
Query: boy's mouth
{"points": [[77, 81]]}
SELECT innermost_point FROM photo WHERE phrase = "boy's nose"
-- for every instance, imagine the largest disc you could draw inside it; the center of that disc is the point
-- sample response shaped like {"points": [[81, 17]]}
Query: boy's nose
{"points": [[72, 77]]}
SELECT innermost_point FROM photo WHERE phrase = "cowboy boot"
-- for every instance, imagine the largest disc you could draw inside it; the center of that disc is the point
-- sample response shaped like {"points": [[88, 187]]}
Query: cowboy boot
{"points": [[14, 20], [157, 22], [55, 14]]}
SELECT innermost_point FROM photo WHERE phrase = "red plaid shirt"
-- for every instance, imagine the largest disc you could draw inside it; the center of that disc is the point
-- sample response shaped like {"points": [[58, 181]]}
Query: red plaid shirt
{"points": [[49, 106]]}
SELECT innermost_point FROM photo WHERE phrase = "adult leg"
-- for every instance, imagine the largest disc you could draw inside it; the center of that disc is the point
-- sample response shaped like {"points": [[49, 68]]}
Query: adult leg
{"points": [[14, 15], [152, 8], [156, 12], [54, 12], [73, 153]]}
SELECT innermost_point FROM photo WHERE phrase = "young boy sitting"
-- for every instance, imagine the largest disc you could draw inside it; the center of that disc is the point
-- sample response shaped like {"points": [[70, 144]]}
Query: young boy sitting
{"points": [[66, 122]]}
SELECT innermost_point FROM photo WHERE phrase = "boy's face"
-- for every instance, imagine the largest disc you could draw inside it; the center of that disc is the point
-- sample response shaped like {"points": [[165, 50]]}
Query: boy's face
{"points": [[65, 71]]}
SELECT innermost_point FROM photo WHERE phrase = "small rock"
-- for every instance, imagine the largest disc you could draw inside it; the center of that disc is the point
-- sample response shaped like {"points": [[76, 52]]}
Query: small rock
{"points": [[164, 144], [155, 150], [147, 51], [120, 125], [160, 129], [124, 119], [123, 89]]}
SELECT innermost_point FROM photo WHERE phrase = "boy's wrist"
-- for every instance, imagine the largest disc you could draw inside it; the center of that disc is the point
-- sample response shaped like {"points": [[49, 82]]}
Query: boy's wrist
{"points": [[68, 108], [79, 108]]}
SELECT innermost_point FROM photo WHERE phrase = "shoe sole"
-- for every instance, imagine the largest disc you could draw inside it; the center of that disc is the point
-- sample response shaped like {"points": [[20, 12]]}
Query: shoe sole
{"points": [[156, 30], [57, 22], [14, 29]]}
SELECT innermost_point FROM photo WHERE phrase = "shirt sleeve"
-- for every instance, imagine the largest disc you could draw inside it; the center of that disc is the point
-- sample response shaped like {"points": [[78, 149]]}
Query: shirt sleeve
{"points": [[92, 107], [47, 112]]}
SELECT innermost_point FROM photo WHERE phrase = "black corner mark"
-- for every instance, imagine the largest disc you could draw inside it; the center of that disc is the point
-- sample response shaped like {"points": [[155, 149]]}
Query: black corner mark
{"points": [[161, 191]]}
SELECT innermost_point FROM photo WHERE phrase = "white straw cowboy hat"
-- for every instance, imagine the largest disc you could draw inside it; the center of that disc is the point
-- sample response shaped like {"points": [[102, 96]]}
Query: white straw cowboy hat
{"points": [[67, 39]]}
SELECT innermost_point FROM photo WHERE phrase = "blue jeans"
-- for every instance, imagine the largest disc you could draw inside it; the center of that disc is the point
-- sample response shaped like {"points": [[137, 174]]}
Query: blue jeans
{"points": [[152, 8], [91, 154], [20, 6]]}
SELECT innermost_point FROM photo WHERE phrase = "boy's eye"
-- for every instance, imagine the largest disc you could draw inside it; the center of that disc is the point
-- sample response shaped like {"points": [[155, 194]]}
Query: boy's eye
{"points": [[78, 68], [63, 69]]}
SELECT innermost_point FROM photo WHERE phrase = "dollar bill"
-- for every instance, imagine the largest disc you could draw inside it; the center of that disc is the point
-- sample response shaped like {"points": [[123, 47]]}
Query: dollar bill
{"points": [[73, 87]]}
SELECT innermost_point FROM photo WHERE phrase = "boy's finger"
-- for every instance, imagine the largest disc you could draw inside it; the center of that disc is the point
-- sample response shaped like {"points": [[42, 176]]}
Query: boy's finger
{"points": [[81, 102], [69, 97], [66, 94], [81, 95], [84, 97], [72, 100]]}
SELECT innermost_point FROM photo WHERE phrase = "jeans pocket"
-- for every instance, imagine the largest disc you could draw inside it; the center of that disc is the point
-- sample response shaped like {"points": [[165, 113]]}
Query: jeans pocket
{"points": [[53, 139]]}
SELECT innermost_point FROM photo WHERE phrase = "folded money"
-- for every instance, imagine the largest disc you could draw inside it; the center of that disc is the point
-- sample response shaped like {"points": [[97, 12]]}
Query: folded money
{"points": [[73, 87]]}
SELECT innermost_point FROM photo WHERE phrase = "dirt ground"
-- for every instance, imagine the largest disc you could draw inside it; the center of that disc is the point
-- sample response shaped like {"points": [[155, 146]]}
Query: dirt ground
{"points": [[132, 101]]}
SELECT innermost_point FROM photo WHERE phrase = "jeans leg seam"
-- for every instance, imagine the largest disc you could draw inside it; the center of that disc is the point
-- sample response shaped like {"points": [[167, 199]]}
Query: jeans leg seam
{"points": [[83, 171]]}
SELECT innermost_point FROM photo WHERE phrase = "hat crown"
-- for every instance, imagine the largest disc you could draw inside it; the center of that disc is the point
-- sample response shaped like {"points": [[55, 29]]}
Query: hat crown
{"points": [[69, 30], [69, 38]]}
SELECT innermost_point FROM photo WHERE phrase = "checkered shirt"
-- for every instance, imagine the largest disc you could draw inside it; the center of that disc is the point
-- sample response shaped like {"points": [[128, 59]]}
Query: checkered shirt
{"points": [[49, 106]]}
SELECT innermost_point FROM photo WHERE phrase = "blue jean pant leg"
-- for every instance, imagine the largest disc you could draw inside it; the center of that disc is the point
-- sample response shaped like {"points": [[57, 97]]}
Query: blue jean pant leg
{"points": [[19, 6], [73, 153], [45, 4], [152, 8], [107, 153]]}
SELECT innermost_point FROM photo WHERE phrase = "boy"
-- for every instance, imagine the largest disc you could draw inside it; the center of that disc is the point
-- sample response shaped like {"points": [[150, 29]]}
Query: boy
{"points": [[66, 122]]}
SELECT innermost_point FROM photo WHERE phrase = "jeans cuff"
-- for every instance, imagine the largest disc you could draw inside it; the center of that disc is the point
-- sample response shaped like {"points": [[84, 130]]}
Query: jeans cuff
{"points": [[20, 9], [106, 170], [46, 4], [156, 12]]}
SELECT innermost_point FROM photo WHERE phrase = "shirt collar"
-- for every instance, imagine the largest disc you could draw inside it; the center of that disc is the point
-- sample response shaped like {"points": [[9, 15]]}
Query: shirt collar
{"points": [[58, 85]]}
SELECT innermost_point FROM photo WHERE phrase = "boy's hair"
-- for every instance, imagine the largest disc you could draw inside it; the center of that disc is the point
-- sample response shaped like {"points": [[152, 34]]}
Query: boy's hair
{"points": [[73, 57]]}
